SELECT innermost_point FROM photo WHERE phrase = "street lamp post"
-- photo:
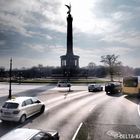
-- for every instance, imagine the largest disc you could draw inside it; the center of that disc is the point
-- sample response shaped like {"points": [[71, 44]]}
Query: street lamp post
{"points": [[10, 81]]}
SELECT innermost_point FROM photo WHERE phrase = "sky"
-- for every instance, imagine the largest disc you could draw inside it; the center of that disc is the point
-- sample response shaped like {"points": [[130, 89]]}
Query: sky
{"points": [[34, 32]]}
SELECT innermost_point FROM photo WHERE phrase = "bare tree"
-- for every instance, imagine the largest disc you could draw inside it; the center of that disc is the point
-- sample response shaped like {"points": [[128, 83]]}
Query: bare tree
{"points": [[112, 62], [91, 69]]}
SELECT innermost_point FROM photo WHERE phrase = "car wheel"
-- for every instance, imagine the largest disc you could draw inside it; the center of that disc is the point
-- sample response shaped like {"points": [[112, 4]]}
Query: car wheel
{"points": [[23, 118], [42, 109]]}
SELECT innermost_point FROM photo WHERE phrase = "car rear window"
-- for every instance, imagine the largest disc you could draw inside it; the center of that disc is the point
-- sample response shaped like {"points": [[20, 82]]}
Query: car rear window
{"points": [[10, 105]]}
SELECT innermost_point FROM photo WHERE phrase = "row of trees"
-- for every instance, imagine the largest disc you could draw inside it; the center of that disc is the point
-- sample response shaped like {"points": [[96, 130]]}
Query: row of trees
{"points": [[44, 72], [112, 67]]}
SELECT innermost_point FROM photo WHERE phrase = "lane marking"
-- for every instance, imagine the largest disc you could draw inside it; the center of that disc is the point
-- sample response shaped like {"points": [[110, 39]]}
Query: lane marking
{"points": [[139, 109], [79, 127]]}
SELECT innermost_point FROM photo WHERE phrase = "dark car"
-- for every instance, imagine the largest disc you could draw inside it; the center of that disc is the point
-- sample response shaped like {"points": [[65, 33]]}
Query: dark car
{"points": [[113, 87]]}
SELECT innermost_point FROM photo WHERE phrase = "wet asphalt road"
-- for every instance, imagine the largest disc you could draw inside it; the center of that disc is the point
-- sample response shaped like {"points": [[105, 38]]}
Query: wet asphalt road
{"points": [[104, 117], [118, 118]]}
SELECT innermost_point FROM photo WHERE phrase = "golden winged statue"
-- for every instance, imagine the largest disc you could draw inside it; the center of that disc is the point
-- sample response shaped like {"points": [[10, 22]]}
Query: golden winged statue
{"points": [[69, 8]]}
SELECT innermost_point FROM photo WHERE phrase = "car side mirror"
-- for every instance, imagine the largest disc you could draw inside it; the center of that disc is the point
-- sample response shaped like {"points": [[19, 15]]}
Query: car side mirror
{"points": [[38, 101]]}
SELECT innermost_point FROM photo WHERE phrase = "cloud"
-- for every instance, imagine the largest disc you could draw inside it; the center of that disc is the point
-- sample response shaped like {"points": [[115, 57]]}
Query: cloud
{"points": [[131, 38], [57, 49], [12, 23], [94, 54], [46, 49], [124, 16], [37, 48], [2, 42], [49, 37], [18, 15], [39, 28]]}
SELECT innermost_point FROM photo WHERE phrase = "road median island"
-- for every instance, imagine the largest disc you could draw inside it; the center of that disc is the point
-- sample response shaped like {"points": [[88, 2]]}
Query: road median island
{"points": [[54, 81]]}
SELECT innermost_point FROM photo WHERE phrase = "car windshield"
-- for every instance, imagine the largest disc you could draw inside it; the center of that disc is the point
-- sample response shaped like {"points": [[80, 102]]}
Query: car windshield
{"points": [[10, 105], [41, 136], [112, 84], [130, 82]]}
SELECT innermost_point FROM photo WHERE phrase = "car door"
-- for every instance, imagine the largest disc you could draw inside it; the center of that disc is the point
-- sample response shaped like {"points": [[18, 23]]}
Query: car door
{"points": [[36, 105], [29, 107]]}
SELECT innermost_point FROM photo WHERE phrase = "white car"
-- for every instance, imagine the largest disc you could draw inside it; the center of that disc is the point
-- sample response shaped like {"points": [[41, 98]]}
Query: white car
{"points": [[95, 87], [63, 84], [20, 108], [30, 134]]}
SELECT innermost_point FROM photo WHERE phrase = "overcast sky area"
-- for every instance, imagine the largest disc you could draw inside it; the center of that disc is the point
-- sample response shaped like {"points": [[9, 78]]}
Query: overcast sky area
{"points": [[33, 32]]}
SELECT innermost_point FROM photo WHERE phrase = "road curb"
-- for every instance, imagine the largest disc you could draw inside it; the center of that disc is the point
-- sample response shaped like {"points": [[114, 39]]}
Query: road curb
{"points": [[79, 127], [139, 109]]}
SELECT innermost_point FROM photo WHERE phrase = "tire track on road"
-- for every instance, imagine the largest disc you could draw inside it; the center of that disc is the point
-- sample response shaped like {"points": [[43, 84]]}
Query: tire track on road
{"points": [[75, 110]]}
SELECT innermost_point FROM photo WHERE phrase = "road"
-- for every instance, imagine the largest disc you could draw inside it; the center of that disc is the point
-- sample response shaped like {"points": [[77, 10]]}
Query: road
{"points": [[103, 116]]}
